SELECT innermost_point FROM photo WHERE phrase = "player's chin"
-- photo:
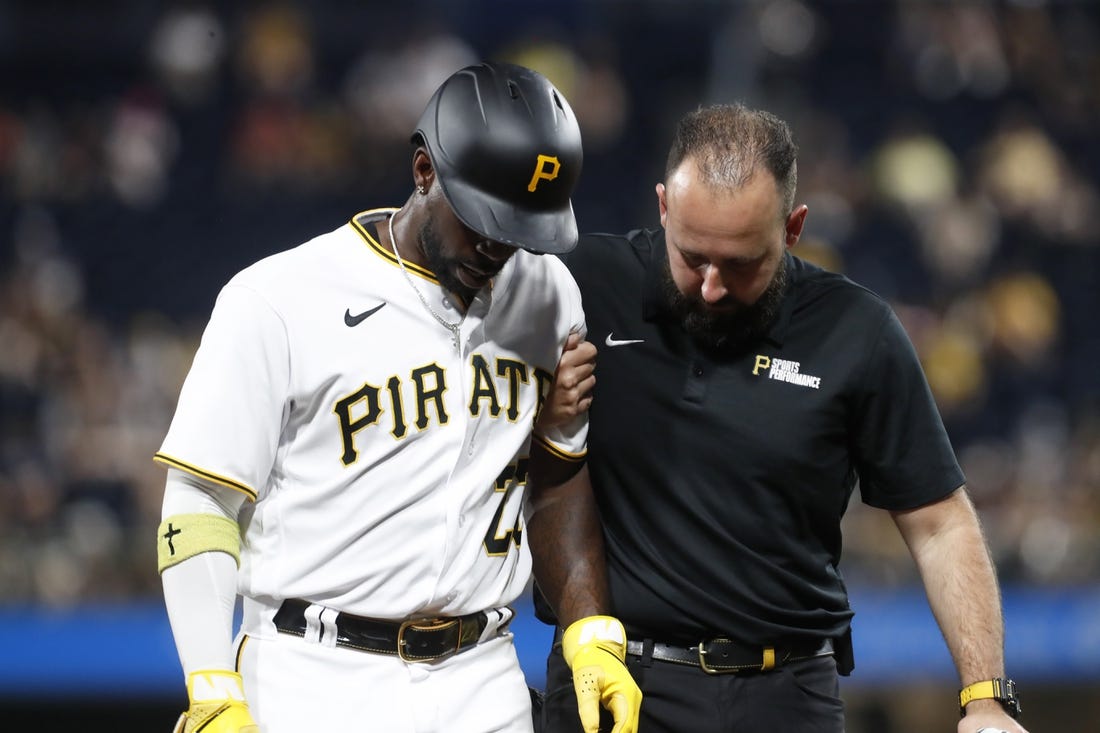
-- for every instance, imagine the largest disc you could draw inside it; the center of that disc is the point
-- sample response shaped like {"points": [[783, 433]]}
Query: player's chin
{"points": [[472, 277]]}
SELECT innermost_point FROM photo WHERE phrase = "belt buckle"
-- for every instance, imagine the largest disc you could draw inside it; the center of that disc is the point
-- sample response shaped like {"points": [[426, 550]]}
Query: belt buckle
{"points": [[767, 660], [429, 626], [703, 659]]}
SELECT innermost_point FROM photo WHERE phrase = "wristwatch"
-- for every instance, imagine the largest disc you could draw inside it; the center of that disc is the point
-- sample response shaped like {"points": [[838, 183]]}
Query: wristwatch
{"points": [[998, 688]]}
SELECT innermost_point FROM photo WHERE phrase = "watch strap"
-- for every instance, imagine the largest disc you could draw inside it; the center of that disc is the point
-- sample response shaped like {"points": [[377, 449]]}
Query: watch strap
{"points": [[983, 690], [998, 688]]}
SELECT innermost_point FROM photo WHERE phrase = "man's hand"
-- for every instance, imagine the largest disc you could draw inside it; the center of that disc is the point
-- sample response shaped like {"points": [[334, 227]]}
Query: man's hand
{"points": [[217, 704], [571, 391], [595, 649], [988, 715]]}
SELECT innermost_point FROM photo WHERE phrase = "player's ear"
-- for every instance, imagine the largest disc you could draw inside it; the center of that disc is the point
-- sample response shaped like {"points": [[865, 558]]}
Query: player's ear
{"points": [[423, 170]]}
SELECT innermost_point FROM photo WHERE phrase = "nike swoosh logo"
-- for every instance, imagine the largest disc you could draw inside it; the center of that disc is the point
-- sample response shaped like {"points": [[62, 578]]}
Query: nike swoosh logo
{"points": [[621, 342], [352, 321]]}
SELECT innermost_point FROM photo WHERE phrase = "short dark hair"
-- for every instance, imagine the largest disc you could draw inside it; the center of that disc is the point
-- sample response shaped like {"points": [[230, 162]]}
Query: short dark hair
{"points": [[730, 142]]}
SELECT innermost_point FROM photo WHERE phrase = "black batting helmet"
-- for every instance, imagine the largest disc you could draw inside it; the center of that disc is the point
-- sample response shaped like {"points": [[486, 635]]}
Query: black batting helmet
{"points": [[506, 150]]}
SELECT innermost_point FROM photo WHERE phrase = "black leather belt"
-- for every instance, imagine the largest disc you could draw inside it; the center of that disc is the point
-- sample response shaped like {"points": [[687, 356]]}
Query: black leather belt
{"points": [[416, 640], [719, 656]]}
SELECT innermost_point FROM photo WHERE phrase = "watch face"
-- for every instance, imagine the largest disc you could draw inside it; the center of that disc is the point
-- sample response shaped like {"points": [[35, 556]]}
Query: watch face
{"points": [[1008, 698]]}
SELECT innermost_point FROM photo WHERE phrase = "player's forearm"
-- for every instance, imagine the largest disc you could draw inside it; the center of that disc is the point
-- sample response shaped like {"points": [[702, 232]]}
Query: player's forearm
{"points": [[200, 591], [200, 594], [567, 547], [961, 584]]}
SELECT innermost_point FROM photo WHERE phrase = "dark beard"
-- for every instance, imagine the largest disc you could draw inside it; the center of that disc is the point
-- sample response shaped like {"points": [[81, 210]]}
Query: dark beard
{"points": [[440, 265], [727, 331]]}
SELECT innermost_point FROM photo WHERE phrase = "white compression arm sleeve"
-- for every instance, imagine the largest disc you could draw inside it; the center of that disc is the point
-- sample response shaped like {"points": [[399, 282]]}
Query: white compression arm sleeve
{"points": [[200, 592]]}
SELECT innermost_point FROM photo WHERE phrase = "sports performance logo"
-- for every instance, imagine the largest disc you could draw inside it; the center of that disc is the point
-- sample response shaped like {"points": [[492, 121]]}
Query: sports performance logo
{"points": [[785, 371]]}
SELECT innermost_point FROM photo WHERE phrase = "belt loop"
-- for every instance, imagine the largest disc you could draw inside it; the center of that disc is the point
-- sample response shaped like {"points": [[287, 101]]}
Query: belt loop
{"points": [[647, 652], [314, 630], [330, 632], [495, 619]]}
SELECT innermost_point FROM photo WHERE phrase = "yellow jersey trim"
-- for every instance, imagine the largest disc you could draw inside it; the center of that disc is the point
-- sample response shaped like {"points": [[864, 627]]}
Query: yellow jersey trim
{"points": [[560, 453], [240, 653], [385, 253], [208, 475]]}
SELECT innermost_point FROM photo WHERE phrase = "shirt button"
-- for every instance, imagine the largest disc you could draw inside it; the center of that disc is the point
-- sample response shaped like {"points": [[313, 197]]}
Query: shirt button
{"points": [[697, 371]]}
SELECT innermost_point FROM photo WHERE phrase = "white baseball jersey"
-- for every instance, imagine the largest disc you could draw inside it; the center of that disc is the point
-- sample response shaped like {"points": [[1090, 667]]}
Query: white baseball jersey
{"points": [[387, 466]]}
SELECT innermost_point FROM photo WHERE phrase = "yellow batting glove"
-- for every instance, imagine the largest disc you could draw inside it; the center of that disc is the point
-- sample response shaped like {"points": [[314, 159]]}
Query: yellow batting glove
{"points": [[595, 649], [217, 704]]}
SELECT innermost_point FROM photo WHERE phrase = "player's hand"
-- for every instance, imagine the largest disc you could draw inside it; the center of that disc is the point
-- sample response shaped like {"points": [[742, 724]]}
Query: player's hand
{"points": [[595, 649], [217, 704], [571, 391]]}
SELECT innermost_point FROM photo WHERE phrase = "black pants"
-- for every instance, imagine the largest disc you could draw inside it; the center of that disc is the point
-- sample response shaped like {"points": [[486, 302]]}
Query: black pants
{"points": [[801, 697]]}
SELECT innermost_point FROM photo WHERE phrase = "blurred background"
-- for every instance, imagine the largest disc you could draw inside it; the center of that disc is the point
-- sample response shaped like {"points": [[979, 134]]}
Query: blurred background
{"points": [[150, 149]]}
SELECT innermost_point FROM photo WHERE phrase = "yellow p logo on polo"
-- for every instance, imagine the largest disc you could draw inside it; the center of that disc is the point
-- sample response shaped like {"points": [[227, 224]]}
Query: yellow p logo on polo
{"points": [[541, 171]]}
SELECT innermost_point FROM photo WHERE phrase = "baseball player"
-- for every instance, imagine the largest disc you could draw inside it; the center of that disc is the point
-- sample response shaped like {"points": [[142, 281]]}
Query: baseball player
{"points": [[352, 445]]}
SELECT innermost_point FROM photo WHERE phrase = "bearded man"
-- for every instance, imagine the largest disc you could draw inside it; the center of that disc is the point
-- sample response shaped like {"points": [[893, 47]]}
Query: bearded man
{"points": [[742, 394]]}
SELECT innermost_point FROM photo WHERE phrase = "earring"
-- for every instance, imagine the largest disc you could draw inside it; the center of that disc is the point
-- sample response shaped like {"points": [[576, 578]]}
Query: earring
{"points": [[420, 190]]}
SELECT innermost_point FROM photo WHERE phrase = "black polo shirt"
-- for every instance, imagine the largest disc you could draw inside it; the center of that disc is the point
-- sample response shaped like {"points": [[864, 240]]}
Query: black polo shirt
{"points": [[722, 481]]}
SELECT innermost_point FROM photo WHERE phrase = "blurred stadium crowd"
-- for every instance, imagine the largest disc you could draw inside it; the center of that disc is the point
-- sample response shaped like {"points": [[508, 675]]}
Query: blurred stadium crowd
{"points": [[148, 150]]}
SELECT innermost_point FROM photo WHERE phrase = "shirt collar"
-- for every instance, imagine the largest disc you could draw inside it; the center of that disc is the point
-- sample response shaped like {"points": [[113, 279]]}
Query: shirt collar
{"points": [[654, 305]]}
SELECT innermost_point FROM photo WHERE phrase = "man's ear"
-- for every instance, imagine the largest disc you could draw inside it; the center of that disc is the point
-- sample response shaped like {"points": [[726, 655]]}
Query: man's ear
{"points": [[795, 222]]}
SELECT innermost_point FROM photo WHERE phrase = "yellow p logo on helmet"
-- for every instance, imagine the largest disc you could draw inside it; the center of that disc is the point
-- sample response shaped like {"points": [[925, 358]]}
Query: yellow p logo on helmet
{"points": [[542, 173]]}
